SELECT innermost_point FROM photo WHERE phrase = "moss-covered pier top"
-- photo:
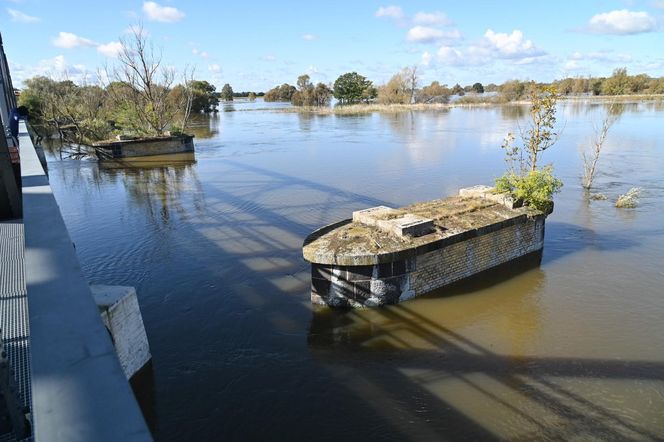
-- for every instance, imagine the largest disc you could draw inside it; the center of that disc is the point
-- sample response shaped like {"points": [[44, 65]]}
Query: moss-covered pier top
{"points": [[384, 255]]}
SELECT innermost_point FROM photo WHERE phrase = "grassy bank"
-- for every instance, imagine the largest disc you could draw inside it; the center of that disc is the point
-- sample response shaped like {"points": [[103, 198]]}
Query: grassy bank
{"points": [[466, 101]]}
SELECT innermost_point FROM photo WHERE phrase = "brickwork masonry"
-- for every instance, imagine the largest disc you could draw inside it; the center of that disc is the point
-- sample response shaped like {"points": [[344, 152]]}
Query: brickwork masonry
{"points": [[393, 282]]}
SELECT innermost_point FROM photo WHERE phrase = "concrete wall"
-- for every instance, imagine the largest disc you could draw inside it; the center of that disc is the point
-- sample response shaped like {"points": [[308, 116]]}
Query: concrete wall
{"points": [[79, 391], [125, 149], [393, 282]]}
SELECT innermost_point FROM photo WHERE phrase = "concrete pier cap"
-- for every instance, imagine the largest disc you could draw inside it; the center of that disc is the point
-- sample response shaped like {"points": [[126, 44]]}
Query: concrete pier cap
{"points": [[386, 255]]}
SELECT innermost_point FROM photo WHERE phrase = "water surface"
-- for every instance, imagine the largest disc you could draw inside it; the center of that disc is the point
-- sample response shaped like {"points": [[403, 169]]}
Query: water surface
{"points": [[571, 349]]}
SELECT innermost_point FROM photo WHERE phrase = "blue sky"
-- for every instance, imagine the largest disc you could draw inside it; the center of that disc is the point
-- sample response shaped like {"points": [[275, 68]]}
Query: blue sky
{"points": [[257, 45]]}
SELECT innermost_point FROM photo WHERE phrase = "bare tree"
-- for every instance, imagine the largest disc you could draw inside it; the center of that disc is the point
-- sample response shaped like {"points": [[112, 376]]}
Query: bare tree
{"points": [[144, 85], [591, 158], [411, 78]]}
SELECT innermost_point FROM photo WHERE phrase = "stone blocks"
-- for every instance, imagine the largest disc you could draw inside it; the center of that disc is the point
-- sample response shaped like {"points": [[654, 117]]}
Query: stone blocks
{"points": [[395, 281], [394, 222]]}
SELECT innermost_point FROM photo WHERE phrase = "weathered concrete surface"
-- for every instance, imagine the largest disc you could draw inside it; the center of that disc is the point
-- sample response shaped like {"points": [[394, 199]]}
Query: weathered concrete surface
{"points": [[359, 262], [454, 219], [79, 391], [121, 315], [144, 147]]}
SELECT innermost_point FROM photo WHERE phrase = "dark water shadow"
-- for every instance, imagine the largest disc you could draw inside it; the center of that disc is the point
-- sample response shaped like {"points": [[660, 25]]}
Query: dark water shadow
{"points": [[226, 366], [563, 239]]}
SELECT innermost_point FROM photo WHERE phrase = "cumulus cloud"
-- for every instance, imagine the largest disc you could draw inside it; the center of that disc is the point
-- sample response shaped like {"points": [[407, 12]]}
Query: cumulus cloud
{"points": [[215, 68], [20, 17], [450, 55], [510, 45], [492, 47], [622, 22], [68, 40], [424, 34], [167, 14], [431, 18], [269, 57], [393, 12], [426, 58], [111, 49], [308, 37]]}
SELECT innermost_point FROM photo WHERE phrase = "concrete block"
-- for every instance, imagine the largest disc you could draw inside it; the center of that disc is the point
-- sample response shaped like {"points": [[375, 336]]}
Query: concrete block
{"points": [[372, 215], [488, 193], [121, 315]]}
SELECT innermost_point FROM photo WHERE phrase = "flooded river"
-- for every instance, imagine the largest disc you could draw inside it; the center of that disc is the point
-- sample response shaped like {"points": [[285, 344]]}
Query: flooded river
{"points": [[572, 349]]}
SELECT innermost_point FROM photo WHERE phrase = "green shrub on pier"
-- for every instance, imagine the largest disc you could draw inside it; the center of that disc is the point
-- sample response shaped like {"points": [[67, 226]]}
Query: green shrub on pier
{"points": [[535, 189]]}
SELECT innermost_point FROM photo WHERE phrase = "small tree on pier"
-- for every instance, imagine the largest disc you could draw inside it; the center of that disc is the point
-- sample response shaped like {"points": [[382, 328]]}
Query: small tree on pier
{"points": [[523, 179], [145, 96]]}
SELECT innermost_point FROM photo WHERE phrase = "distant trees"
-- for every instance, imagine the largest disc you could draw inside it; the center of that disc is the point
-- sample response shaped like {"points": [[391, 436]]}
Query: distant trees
{"points": [[513, 90], [617, 84], [400, 89], [434, 93], [204, 96], [227, 92], [280, 93], [309, 95], [457, 90], [395, 91], [353, 87], [478, 88]]}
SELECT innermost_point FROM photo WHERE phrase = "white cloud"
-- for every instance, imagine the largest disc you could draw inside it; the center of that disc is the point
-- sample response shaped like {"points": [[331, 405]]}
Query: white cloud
{"points": [[602, 56], [214, 68], [510, 45], [622, 22], [431, 18], [20, 17], [571, 65], [308, 37], [68, 40], [659, 4], [492, 47], [167, 14], [111, 49], [449, 55], [423, 34], [394, 12], [269, 57], [55, 67], [426, 58]]}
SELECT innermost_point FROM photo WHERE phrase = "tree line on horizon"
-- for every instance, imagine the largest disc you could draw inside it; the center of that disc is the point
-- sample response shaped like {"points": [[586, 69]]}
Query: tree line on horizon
{"points": [[92, 112], [403, 88]]}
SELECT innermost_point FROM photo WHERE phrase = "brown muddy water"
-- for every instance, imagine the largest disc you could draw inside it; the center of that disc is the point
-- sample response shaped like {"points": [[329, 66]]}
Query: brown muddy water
{"points": [[572, 349]]}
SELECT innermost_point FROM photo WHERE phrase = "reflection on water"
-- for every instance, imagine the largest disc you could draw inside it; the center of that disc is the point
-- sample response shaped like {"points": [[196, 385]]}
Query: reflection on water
{"points": [[513, 111], [203, 126], [568, 349]]}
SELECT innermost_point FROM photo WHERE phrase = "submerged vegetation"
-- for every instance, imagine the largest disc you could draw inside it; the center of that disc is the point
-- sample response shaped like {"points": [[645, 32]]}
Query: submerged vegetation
{"points": [[591, 158], [629, 200]]}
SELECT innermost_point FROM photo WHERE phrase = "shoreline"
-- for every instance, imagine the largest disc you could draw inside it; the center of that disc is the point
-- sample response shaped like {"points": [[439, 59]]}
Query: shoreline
{"points": [[369, 108]]}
